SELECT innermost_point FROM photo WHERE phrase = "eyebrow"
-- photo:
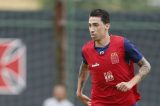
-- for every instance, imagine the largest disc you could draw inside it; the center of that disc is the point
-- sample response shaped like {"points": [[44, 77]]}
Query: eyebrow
{"points": [[92, 23]]}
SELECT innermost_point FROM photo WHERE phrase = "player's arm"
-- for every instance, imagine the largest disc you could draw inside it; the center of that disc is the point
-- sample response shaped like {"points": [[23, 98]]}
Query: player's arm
{"points": [[143, 71], [134, 55], [83, 76]]}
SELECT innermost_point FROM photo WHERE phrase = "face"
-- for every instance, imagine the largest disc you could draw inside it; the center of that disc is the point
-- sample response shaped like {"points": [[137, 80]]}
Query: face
{"points": [[97, 28], [59, 93]]}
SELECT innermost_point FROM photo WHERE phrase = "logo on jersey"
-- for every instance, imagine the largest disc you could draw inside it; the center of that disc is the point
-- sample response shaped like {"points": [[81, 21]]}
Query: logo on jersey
{"points": [[101, 52], [108, 76], [12, 66], [95, 65], [114, 58]]}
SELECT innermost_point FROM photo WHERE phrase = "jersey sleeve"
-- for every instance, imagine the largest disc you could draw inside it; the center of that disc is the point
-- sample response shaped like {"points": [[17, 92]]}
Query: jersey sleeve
{"points": [[84, 60], [132, 53]]}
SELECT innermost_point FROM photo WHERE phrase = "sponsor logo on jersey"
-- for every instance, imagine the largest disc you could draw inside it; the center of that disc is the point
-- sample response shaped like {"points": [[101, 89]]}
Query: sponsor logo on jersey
{"points": [[95, 65], [108, 76]]}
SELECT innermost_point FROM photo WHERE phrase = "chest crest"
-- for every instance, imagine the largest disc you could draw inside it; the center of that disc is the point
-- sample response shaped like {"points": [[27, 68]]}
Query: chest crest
{"points": [[114, 58]]}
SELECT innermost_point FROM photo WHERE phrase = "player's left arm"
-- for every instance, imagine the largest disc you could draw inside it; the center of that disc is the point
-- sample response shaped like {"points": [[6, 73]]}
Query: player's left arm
{"points": [[144, 69], [133, 54]]}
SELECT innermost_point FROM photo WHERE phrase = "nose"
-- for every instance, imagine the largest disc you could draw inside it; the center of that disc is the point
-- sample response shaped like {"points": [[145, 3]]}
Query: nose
{"points": [[92, 30]]}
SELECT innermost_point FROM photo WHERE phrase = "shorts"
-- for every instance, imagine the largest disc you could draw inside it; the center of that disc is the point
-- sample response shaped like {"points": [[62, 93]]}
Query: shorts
{"points": [[136, 104]]}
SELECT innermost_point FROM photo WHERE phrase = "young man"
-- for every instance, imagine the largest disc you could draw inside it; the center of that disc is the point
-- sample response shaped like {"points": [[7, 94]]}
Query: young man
{"points": [[59, 97], [109, 59]]}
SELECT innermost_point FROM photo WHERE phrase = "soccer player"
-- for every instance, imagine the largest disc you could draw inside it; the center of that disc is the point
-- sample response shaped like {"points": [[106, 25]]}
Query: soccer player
{"points": [[110, 59]]}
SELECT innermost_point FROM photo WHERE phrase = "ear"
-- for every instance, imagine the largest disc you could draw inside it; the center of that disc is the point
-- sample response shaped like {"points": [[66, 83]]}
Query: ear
{"points": [[107, 26]]}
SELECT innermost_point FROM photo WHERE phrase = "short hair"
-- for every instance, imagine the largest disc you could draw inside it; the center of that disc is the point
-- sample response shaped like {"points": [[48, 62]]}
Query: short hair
{"points": [[101, 13], [59, 85]]}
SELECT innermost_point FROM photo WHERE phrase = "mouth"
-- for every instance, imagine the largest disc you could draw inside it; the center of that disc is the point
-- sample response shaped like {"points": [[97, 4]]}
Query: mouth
{"points": [[93, 35]]}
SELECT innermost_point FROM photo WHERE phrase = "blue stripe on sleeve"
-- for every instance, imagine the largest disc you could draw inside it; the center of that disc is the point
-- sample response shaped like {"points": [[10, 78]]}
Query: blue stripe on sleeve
{"points": [[84, 60], [132, 53]]}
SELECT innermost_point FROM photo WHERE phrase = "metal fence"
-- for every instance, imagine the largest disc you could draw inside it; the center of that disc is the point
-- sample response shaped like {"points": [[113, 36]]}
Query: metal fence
{"points": [[143, 30], [35, 29]]}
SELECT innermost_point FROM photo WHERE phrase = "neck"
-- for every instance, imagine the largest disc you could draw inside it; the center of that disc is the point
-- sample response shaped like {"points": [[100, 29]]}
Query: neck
{"points": [[103, 42]]}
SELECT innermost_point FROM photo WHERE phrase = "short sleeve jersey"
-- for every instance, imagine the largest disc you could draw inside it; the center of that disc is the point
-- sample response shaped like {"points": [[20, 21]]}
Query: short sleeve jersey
{"points": [[108, 67]]}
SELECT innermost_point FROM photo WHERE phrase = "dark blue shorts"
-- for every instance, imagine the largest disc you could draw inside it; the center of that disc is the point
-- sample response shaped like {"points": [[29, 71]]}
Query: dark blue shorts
{"points": [[136, 104]]}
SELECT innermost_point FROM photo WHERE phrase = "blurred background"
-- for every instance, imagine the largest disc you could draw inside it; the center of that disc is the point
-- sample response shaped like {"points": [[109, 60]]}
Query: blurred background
{"points": [[54, 32]]}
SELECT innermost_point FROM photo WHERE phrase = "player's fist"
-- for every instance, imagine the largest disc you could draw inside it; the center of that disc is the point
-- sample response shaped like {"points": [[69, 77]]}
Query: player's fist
{"points": [[124, 86], [83, 98]]}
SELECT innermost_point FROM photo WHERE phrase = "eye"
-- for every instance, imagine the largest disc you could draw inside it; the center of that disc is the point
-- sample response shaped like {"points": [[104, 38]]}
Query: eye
{"points": [[89, 25], [95, 24]]}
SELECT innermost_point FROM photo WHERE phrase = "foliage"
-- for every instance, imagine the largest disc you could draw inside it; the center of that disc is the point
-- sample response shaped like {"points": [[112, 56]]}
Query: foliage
{"points": [[111, 5], [47, 4], [116, 5]]}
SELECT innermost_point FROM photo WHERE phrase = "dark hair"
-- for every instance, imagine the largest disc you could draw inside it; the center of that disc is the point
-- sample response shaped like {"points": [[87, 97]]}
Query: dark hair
{"points": [[101, 13]]}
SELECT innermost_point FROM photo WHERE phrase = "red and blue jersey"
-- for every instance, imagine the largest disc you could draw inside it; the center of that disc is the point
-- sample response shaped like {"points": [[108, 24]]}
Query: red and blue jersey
{"points": [[108, 67]]}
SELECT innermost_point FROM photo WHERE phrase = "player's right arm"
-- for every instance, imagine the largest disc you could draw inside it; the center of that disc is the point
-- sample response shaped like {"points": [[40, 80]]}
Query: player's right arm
{"points": [[83, 76]]}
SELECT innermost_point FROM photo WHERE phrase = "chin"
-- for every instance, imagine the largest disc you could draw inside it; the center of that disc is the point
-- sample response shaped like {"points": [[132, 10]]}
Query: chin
{"points": [[96, 39], [93, 39]]}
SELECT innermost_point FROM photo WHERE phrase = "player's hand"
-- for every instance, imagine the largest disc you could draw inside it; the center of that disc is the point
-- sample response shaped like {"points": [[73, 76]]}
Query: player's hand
{"points": [[86, 100], [124, 86]]}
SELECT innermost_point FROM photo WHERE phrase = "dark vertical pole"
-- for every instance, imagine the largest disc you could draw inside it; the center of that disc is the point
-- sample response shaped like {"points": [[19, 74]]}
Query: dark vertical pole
{"points": [[60, 39]]}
